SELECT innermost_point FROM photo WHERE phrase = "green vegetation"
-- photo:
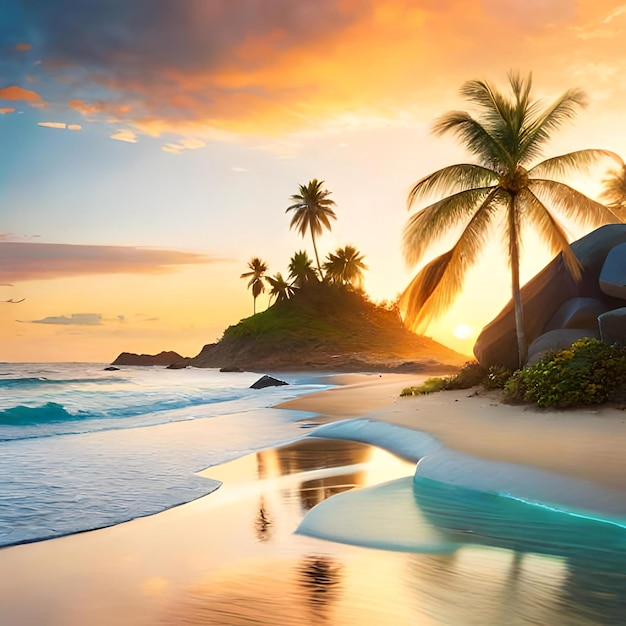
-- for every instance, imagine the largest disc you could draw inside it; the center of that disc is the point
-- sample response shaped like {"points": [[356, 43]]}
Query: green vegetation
{"points": [[614, 193], [590, 372], [505, 138]]}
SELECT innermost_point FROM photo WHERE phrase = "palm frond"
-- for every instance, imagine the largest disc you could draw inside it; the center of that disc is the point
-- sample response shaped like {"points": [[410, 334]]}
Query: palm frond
{"points": [[550, 230], [573, 162], [426, 226], [451, 179], [614, 193], [572, 204], [434, 288]]}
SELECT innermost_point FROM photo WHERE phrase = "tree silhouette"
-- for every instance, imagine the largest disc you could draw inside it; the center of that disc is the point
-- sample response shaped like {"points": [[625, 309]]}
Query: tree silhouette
{"points": [[256, 276]]}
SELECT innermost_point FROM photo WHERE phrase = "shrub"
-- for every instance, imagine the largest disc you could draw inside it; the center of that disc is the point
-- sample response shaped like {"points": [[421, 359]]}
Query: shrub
{"points": [[589, 372], [430, 385], [497, 376], [470, 375]]}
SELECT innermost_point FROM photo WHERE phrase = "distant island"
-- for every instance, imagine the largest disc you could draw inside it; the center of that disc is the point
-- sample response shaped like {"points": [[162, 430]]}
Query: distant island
{"points": [[323, 326]]}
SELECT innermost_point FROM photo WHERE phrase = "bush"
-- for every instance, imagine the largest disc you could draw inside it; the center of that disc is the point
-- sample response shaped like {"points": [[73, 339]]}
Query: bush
{"points": [[470, 375], [430, 385], [497, 376], [589, 372]]}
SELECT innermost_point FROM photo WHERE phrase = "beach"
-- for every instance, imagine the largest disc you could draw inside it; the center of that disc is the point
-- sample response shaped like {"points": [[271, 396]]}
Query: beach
{"points": [[236, 556]]}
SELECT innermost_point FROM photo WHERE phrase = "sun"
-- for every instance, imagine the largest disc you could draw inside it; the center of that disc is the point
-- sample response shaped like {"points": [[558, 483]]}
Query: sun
{"points": [[462, 331]]}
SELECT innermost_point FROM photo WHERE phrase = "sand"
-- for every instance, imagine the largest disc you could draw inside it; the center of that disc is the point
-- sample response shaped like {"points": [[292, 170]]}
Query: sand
{"points": [[232, 557], [586, 443]]}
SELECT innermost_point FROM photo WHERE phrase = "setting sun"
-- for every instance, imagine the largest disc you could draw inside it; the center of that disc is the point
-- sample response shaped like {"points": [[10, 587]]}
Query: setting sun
{"points": [[462, 331]]}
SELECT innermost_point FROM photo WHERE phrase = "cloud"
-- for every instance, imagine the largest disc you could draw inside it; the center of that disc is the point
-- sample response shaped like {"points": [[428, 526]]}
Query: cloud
{"points": [[76, 319], [61, 125], [125, 135], [183, 144], [21, 261], [22, 95], [22, 47], [5, 110]]}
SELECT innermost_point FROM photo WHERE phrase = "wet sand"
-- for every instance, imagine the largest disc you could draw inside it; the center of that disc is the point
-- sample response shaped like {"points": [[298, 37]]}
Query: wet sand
{"points": [[233, 557]]}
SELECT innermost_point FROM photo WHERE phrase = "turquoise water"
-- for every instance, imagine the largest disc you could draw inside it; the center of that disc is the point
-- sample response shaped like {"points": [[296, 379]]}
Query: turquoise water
{"points": [[82, 448]]}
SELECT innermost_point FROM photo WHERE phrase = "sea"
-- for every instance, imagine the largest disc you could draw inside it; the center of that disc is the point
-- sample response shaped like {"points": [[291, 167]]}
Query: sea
{"points": [[83, 448]]}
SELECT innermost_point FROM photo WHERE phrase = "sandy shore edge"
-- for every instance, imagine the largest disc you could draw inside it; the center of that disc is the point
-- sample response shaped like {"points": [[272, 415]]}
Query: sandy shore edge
{"points": [[586, 443]]}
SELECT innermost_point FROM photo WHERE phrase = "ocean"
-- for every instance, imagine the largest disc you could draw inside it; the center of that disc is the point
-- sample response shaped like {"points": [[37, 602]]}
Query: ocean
{"points": [[83, 448]]}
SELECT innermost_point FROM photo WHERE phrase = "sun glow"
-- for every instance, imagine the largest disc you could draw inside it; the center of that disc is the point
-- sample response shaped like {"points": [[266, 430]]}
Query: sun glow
{"points": [[462, 331]]}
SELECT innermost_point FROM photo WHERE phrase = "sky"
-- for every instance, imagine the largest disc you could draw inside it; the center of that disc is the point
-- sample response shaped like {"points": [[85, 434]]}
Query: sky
{"points": [[149, 150]]}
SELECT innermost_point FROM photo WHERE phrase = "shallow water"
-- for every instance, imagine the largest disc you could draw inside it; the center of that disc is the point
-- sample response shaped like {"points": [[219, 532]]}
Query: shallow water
{"points": [[233, 557]]}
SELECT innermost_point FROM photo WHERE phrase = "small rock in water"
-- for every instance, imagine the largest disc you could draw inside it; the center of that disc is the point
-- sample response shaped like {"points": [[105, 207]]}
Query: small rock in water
{"points": [[267, 381], [111, 368]]}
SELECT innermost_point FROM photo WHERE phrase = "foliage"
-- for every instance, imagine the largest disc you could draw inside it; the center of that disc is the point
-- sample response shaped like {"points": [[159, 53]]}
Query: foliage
{"points": [[301, 270], [280, 288], [497, 377], [256, 276], [614, 193], [589, 372], [345, 266], [506, 138], [470, 375], [430, 385]]}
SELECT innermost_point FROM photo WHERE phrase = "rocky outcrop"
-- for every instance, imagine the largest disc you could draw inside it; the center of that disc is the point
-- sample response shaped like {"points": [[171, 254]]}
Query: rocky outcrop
{"points": [[163, 358], [613, 326], [545, 297], [613, 273], [267, 381]]}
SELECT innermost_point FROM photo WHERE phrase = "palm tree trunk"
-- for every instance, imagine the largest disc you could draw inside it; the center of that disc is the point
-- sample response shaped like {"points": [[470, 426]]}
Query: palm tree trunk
{"points": [[520, 325], [254, 305], [317, 259]]}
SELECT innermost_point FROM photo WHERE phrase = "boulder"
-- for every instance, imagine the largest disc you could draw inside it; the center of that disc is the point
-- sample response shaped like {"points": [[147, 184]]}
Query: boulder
{"points": [[613, 326], [577, 313], [544, 294], [613, 273], [267, 381], [558, 340], [110, 368]]}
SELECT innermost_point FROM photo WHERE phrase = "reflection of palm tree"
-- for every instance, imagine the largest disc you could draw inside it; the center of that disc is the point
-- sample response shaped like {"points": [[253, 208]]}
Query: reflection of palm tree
{"points": [[301, 269], [256, 276], [263, 523], [281, 289], [507, 136], [614, 194], [345, 266], [320, 577], [312, 211]]}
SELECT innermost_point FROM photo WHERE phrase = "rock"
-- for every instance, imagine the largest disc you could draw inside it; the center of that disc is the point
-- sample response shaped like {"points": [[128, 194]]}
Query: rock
{"points": [[231, 369], [179, 365], [110, 368], [577, 313], [163, 358], [544, 294], [613, 273], [267, 381], [558, 340], [613, 326]]}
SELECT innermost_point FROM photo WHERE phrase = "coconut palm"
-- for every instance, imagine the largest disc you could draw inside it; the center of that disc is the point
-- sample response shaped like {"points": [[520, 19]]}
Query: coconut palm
{"points": [[281, 289], [345, 266], [614, 194], [301, 270], [312, 211], [506, 138], [256, 276]]}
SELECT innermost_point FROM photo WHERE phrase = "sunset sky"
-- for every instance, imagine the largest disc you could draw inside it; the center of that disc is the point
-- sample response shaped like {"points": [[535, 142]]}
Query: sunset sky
{"points": [[149, 149]]}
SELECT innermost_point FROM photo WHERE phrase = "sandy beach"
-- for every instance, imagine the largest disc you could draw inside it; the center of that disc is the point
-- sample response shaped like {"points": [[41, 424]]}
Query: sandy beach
{"points": [[233, 557]]}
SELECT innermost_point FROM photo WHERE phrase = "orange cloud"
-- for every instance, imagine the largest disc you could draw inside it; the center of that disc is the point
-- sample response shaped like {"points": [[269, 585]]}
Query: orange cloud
{"points": [[23, 95], [20, 261], [125, 135], [52, 124], [22, 47], [4, 111]]}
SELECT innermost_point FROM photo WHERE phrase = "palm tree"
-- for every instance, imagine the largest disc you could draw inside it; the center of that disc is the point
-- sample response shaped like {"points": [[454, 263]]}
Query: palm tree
{"points": [[256, 276], [345, 266], [312, 212], [614, 194], [505, 138], [280, 288], [301, 269]]}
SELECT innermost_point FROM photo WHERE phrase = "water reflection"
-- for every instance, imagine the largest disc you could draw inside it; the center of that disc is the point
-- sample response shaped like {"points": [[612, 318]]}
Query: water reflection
{"points": [[263, 522], [320, 578]]}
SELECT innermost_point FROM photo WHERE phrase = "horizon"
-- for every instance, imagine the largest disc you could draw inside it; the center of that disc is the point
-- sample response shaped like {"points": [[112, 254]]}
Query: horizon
{"points": [[148, 159]]}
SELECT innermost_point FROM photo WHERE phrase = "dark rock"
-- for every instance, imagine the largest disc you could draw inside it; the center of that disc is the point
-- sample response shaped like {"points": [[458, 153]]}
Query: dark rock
{"points": [[543, 295], [578, 313], [163, 358], [267, 381], [179, 365], [613, 326], [110, 368], [613, 273], [558, 340], [231, 369]]}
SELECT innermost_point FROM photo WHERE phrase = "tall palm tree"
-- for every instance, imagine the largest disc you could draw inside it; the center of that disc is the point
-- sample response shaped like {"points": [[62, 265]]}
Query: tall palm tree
{"points": [[281, 289], [506, 138], [312, 211], [256, 276], [301, 269], [345, 266], [614, 194]]}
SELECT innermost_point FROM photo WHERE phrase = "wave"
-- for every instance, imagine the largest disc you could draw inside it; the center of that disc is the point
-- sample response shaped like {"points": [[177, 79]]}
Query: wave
{"points": [[35, 381], [48, 413]]}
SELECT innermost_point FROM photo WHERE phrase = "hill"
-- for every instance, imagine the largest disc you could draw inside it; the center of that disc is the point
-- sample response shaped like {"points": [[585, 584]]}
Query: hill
{"points": [[326, 327]]}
